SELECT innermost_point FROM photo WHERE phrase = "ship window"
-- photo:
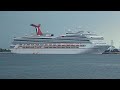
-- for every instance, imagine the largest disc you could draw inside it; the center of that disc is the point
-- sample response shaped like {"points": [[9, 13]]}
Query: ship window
{"points": [[40, 38], [52, 34], [82, 45], [12, 46]]}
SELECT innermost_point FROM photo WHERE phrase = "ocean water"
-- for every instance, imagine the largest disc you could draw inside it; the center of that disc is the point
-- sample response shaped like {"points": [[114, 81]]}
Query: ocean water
{"points": [[18, 66]]}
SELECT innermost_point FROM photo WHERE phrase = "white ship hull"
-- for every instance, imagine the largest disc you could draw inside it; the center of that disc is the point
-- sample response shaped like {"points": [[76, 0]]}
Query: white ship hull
{"points": [[93, 50]]}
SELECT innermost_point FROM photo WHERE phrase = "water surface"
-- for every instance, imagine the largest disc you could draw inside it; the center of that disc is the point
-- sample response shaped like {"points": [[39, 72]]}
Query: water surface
{"points": [[18, 66]]}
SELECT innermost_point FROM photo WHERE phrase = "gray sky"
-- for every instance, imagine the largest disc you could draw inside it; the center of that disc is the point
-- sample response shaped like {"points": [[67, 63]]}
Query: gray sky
{"points": [[17, 23]]}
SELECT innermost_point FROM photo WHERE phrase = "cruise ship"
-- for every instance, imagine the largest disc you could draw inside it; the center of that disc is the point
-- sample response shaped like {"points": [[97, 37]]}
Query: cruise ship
{"points": [[79, 42]]}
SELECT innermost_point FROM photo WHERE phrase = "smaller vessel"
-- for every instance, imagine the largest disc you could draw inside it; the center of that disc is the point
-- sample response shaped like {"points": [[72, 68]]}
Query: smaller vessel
{"points": [[111, 49]]}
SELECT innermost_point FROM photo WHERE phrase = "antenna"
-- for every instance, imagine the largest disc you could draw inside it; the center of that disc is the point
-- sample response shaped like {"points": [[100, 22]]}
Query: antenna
{"points": [[69, 30], [79, 28], [119, 47], [112, 43], [112, 47]]}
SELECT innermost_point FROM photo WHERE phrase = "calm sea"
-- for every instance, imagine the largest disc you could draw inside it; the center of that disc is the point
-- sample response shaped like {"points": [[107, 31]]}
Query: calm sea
{"points": [[16, 66]]}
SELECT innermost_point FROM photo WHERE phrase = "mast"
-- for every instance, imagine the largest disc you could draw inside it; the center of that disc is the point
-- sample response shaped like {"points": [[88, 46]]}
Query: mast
{"points": [[112, 46], [112, 43]]}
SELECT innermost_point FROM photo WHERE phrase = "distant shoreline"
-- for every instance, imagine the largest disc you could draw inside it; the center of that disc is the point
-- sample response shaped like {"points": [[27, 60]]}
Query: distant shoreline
{"points": [[4, 50]]}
